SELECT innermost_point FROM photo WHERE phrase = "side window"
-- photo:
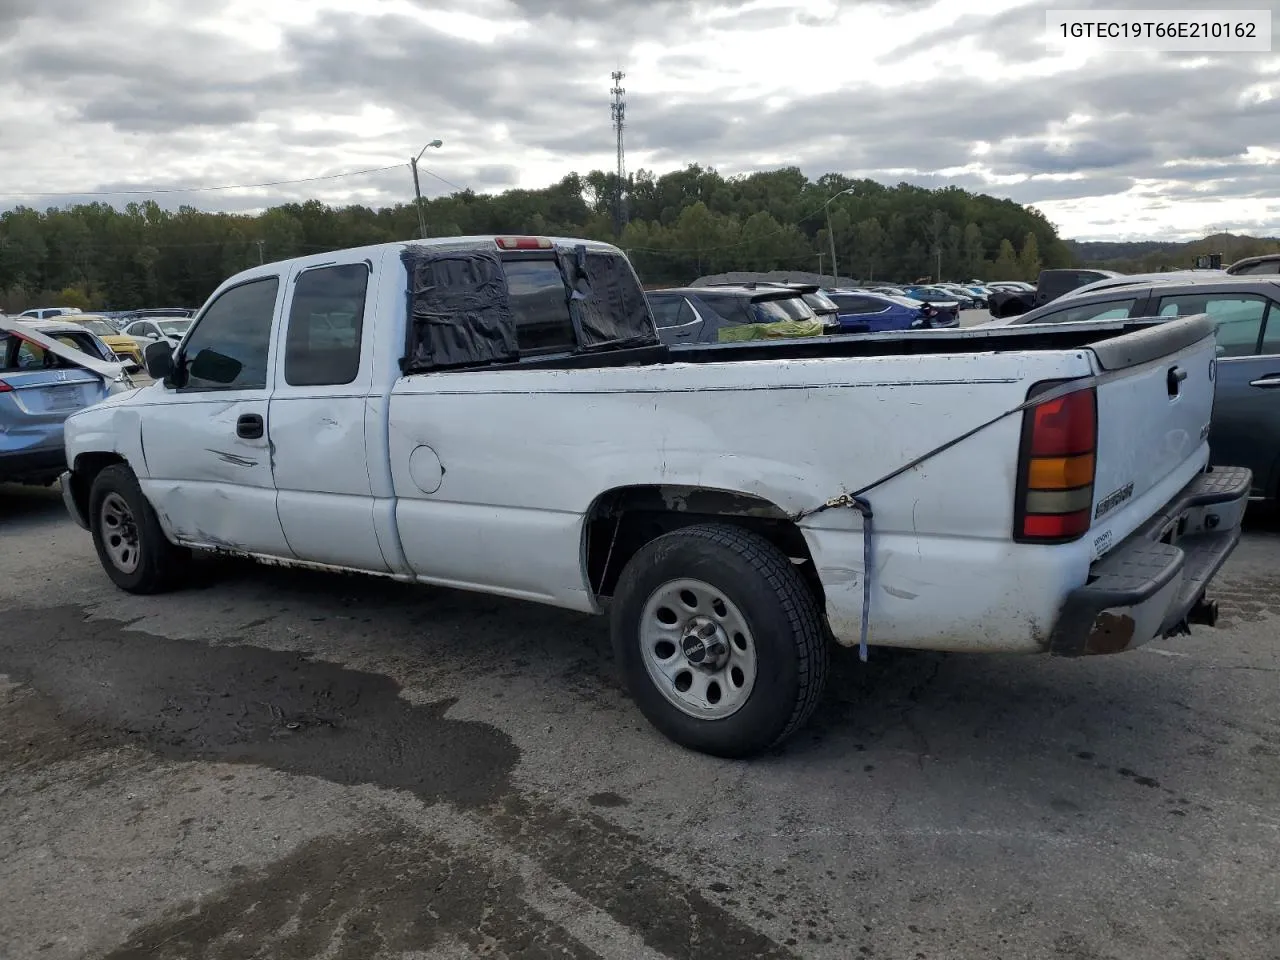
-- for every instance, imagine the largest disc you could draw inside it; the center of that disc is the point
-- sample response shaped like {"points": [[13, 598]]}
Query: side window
{"points": [[686, 313], [1110, 310], [228, 348], [1239, 317], [540, 303], [326, 320], [1266, 267], [730, 309], [666, 310]]}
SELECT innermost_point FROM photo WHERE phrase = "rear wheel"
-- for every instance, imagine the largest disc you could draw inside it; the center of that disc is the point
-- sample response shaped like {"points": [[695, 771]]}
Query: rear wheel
{"points": [[132, 548], [719, 639]]}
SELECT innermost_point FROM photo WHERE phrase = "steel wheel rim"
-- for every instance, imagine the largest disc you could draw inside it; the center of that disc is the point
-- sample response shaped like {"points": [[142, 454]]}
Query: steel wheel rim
{"points": [[698, 649], [120, 533]]}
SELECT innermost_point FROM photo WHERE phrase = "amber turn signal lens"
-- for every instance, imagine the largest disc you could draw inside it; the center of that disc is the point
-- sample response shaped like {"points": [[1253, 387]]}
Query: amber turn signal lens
{"points": [[1060, 473]]}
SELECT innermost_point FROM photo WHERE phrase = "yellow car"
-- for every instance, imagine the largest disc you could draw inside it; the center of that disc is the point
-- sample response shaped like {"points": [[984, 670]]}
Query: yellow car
{"points": [[125, 348]]}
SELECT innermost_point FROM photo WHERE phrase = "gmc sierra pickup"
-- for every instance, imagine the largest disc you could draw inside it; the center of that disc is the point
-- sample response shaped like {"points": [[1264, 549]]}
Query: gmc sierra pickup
{"points": [[498, 414]]}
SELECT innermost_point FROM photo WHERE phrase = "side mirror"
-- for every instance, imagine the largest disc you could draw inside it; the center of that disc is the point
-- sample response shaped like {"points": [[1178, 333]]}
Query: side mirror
{"points": [[159, 357], [211, 365]]}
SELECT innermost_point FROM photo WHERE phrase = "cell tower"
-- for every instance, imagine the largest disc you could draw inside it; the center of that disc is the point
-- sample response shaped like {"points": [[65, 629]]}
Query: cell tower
{"points": [[619, 111]]}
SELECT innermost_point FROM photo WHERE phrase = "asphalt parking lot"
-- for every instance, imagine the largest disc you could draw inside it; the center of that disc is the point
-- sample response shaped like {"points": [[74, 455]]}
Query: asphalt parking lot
{"points": [[282, 764]]}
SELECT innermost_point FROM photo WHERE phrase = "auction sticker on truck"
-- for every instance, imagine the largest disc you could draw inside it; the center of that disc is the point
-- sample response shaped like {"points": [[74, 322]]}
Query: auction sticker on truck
{"points": [[1102, 543]]}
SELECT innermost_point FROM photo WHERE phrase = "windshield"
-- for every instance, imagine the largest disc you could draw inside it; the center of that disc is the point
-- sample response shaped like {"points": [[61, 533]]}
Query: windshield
{"points": [[902, 301], [791, 308], [174, 328], [100, 327]]}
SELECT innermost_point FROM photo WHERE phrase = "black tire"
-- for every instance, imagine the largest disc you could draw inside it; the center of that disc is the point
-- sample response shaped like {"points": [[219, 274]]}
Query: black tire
{"points": [[161, 565], [783, 617]]}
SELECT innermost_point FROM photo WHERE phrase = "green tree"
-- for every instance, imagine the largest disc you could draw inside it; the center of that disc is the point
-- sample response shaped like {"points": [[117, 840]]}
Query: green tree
{"points": [[973, 252], [1029, 264], [72, 297], [1005, 266], [868, 248]]}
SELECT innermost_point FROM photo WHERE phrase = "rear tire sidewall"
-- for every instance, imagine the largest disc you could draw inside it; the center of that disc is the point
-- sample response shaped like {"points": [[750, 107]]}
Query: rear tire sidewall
{"points": [[768, 711], [159, 560]]}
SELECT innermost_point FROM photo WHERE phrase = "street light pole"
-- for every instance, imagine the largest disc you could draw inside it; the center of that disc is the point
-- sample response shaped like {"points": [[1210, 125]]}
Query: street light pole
{"points": [[831, 237], [417, 187]]}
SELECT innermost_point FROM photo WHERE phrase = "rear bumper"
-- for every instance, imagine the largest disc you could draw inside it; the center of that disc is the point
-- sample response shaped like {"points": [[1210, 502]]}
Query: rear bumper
{"points": [[32, 465], [1153, 584]]}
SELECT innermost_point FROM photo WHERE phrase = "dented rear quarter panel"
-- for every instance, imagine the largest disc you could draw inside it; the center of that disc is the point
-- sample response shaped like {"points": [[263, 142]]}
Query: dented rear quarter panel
{"points": [[793, 432]]}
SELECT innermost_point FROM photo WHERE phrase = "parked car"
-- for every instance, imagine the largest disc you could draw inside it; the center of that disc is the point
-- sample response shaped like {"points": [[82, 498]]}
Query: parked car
{"points": [[49, 369], [940, 298], [887, 289], [1266, 265], [125, 348], [732, 506], [816, 298], [1128, 280], [1050, 285], [148, 331], [865, 312], [47, 313], [1246, 415], [714, 314], [964, 295]]}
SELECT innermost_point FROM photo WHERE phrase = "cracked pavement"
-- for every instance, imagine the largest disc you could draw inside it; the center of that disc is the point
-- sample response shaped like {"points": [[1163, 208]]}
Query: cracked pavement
{"points": [[286, 765]]}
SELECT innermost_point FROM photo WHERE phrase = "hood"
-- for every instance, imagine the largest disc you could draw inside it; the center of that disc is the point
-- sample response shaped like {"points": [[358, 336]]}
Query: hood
{"points": [[109, 371]]}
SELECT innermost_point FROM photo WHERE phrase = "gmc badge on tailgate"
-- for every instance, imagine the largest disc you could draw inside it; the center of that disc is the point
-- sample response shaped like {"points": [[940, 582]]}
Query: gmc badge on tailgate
{"points": [[1113, 500]]}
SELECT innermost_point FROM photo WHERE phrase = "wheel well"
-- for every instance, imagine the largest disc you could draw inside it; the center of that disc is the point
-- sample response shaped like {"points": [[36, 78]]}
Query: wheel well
{"points": [[623, 520], [85, 471]]}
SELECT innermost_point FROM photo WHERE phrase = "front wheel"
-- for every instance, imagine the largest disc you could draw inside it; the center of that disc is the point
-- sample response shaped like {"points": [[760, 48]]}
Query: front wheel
{"points": [[719, 639], [134, 551]]}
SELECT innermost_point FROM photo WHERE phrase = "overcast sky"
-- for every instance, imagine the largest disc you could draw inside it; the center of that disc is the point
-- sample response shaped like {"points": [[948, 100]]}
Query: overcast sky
{"points": [[150, 94]]}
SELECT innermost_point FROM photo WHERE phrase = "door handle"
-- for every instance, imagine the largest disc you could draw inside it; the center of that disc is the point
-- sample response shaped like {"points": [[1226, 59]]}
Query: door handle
{"points": [[1176, 376], [250, 426], [1271, 380]]}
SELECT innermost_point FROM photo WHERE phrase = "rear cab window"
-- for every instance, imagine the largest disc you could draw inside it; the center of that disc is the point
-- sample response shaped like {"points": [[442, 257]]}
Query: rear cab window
{"points": [[540, 304], [475, 306]]}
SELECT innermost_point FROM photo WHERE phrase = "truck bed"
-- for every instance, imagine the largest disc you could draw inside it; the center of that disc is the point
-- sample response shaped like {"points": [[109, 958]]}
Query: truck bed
{"points": [[1154, 338]]}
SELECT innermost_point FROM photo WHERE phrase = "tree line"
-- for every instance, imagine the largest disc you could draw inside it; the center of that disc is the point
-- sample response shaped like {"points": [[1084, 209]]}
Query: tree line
{"points": [[1155, 257], [678, 226]]}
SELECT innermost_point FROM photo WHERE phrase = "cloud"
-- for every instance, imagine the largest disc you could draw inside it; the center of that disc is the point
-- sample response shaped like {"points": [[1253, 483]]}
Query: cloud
{"points": [[928, 91]]}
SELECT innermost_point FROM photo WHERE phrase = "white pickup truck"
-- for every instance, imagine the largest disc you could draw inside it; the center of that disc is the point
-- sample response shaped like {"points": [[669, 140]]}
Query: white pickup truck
{"points": [[498, 414]]}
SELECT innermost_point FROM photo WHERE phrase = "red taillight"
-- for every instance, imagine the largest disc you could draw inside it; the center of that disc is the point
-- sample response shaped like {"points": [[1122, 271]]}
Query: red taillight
{"points": [[523, 243], [1056, 469], [5, 388]]}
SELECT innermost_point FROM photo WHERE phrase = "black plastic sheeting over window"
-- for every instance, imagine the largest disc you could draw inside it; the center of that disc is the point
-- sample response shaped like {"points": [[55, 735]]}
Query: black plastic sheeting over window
{"points": [[605, 298], [459, 312]]}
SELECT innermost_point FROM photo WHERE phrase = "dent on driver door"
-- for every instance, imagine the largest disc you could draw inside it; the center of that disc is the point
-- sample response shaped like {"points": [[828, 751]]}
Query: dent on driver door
{"points": [[208, 441]]}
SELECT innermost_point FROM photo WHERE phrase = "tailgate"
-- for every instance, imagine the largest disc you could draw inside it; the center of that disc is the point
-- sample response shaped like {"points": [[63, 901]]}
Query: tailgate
{"points": [[1155, 400]]}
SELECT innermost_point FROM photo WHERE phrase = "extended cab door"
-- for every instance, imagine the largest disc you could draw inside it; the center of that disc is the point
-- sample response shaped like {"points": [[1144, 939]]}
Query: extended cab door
{"points": [[207, 441], [318, 413], [1246, 410]]}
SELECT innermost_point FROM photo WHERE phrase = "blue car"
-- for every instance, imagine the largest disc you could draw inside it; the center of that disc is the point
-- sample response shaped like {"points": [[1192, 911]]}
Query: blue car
{"points": [[939, 296], [865, 312], [38, 391]]}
